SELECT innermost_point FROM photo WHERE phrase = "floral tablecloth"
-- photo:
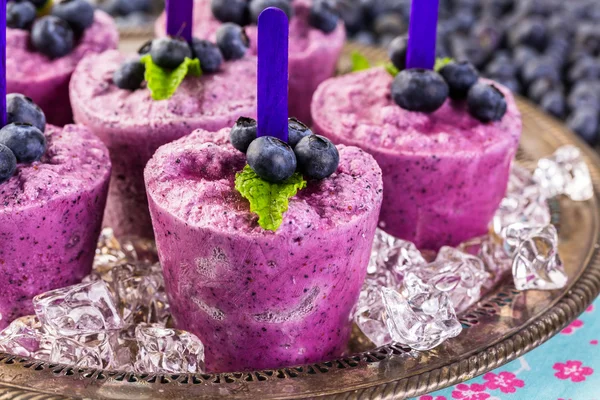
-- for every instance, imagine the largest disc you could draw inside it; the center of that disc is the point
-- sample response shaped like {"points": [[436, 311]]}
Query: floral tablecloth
{"points": [[567, 367]]}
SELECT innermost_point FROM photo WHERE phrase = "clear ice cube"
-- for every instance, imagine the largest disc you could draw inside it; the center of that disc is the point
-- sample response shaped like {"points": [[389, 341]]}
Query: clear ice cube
{"points": [[491, 251], [86, 308], [524, 202], [390, 259], [460, 275], [536, 263], [140, 289], [419, 316], [25, 337], [565, 172], [163, 350]]}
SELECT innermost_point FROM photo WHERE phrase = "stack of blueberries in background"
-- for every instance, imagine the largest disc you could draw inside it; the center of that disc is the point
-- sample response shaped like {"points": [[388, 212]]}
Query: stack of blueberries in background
{"points": [[547, 50]]}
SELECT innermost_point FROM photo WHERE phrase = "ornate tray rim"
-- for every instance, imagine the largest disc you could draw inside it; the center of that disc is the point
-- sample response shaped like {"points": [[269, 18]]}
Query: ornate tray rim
{"points": [[24, 378]]}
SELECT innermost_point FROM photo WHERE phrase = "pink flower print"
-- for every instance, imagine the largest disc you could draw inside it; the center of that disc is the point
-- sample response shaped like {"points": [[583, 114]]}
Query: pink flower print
{"points": [[572, 370], [594, 342], [572, 327], [432, 398], [507, 382], [590, 308], [470, 392]]}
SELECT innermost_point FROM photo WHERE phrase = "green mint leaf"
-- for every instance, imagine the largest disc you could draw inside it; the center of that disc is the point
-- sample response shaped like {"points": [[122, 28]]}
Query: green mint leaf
{"points": [[441, 63], [391, 69], [359, 62], [268, 200], [163, 82]]}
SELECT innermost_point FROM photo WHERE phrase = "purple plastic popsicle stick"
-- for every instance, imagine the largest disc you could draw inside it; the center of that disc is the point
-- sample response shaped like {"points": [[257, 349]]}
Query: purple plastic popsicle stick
{"points": [[3, 117], [422, 34], [179, 18], [272, 87]]}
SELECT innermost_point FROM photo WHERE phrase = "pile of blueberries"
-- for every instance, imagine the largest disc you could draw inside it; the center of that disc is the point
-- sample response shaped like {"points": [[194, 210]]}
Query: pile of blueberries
{"points": [[128, 13], [54, 35], [168, 53], [323, 14], [274, 160], [547, 50], [426, 90], [22, 140]]}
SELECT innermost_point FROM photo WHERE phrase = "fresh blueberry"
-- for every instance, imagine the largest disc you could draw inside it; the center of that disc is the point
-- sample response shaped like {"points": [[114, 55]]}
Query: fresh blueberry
{"points": [[20, 108], [554, 104], [486, 102], [258, 6], [243, 133], [489, 34], [353, 16], [235, 11], [52, 36], [365, 38], [317, 157], [522, 55], [460, 77], [500, 67], [8, 163], [169, 52], [297, 131], [539, 68], [530, 32], [79, 14], [323, 16], [584, 122], [126, 7], [20, 15], [26, 141], [585, 94], [538, 89], [419, 90], [129, 75], [463, 47], [397, 51], [209, 55], [390, 24], [272, 159], [232, 41], [588, 37], [587, 68]]}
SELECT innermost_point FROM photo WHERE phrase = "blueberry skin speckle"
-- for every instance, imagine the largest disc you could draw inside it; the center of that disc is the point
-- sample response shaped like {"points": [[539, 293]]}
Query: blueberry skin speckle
{"points": [[232, 41], [243, 133], [486, 102], [8, 163], [52, 36], [584, 122], [235, 11], [20, 108], [258, 6], [209, 55], [323, 16], [460, 77], [419, 90], [129, 75], [317, 157], [397, 51], [79, 14], [20, 15], [272, 159], [26, 141], [169, 53], [297, 131]]}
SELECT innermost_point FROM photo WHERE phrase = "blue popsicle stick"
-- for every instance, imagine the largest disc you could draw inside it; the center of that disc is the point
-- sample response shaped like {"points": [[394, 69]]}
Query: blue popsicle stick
{"points": [[422, 34], [3, 117], [179, 18], [272, 86]]}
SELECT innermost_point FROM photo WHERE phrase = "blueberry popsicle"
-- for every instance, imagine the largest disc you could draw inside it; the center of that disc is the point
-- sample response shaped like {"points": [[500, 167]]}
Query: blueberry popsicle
{"points": [[42, 53]]}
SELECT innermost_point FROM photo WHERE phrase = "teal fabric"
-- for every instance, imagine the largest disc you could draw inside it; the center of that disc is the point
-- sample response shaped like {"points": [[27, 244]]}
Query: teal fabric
{"points": [[567, 367]]}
